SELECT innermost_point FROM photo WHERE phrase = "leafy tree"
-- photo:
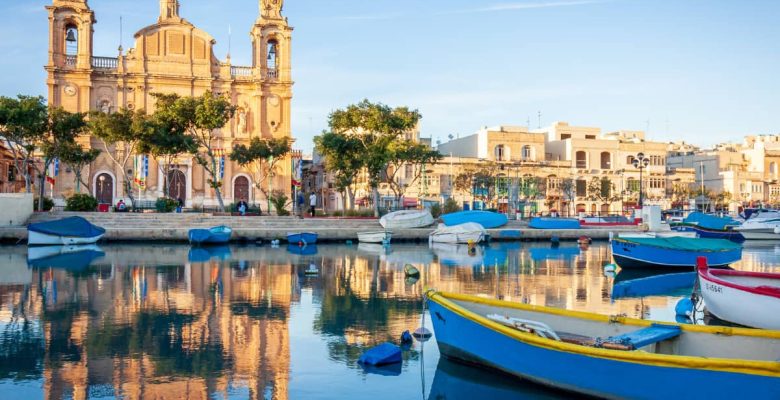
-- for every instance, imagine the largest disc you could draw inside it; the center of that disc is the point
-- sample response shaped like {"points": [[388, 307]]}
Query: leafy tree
{"points": [[680, 194], [569, 191], [376, 126], [602, 190], [166, 142], [122, 134], [63, 128], [532, 187], [261, 157], [479, 180], [78, 158], [200, 118], [23, 122], [343, 159], [403, 153]]}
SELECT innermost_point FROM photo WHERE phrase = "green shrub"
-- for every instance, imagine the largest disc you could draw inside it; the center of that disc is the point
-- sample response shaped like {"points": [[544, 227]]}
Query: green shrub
{"points": [[279, 201], [166, 205], [450, 206], [435, 210], [81, 202], [48, 204]]}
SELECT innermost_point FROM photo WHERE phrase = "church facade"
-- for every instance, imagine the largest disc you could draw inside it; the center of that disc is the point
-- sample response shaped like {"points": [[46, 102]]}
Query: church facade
{"points": [[173, 56]]}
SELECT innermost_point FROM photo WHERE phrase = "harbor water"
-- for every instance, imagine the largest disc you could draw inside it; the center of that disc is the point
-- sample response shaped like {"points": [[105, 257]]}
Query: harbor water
{"points": [[262, 322]]}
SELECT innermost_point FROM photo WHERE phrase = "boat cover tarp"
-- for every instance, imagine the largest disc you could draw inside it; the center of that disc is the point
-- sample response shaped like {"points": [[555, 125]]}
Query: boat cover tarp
{"points": [[385, 353], [554, 223], [71, 226], [708, 221], [487, 219], [685, 243]]}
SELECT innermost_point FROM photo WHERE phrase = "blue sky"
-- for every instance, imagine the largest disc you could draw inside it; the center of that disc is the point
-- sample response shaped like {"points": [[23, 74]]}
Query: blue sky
{"points": [[703, 71]]}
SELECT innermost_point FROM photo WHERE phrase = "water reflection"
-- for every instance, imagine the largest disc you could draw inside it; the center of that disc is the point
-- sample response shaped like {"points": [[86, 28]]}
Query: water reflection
{"points": [[248, 322]]}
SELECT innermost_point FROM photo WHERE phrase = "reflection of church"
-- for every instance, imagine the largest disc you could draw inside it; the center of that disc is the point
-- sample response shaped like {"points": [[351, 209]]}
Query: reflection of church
{"points": [[172, 56]]}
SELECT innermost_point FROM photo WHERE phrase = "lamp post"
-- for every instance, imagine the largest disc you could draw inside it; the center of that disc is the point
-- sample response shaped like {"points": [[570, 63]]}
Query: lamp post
{"points": [[640, 162]]}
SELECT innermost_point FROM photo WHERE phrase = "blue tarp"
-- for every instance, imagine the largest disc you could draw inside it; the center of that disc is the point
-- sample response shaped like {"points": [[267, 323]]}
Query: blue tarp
{"points": [[487, 219], [72, 226], [708, 221], [385, 353], [554, 223]]}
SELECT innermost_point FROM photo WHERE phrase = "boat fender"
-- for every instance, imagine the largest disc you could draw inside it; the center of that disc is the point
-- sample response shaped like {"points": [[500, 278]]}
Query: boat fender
{"points": [[777, 230], [411, 271], [406, 338], [610, 267], [422, 334], [684, 307], [385, 353]]}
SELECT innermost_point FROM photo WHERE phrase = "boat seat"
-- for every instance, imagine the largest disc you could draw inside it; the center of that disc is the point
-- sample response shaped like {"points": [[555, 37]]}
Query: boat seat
{"points": [[640, 338]]}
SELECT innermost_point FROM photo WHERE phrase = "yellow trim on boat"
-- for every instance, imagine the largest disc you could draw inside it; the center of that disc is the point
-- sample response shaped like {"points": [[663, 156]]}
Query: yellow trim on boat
{"points": [[766, 368]]}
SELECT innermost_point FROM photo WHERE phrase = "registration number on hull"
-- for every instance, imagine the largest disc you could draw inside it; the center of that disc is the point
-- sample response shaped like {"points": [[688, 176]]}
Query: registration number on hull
{"points": [[713, 288]]}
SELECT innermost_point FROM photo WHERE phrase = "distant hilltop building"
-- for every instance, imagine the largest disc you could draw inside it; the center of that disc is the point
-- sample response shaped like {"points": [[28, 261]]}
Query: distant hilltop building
{"points": [[173, 56]]}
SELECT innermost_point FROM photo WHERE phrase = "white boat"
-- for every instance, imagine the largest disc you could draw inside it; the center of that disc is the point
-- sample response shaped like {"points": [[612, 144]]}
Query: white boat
{"points": [[406, 219], [375, 237], [66, 231], [470, 232], [764, 226], [746, 298]]}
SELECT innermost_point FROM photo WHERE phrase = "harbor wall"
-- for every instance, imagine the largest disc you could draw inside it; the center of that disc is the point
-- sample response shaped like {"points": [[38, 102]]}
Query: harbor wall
{"points": [[15, 208]]}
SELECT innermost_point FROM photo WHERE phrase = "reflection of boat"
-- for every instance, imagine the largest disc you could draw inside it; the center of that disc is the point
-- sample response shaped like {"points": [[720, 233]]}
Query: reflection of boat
{"points": [[455, 381], [458, 255], [215, 235], [653, 285], [302, 237], [469, 232], [554, 223], [76, 257], [406, 219], [545, 345], [373, 248], [66, 231], [746, 298], [307, 250], [384, 370], [204, 254], [673, 252], [487, 219], [375, 237], [409, 255], [553, 253]]}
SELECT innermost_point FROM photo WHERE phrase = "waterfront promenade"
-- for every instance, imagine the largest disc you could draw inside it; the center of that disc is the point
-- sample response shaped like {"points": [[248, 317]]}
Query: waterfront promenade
{"points": [[130, 227]]}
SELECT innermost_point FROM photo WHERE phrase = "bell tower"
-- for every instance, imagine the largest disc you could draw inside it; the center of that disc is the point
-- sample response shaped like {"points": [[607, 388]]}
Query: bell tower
{"points": [[70, 34], [271, 38]]}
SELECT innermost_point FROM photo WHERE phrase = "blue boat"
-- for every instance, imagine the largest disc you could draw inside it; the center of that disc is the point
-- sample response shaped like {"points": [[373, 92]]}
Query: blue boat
{"points": [[308, 250], [712, 227], [554, 223], [673, 252], [488, 219], [215, 235], [206, 254], [72, 258], [607, 356], [654, 285], [302, 237], [65, 231]]}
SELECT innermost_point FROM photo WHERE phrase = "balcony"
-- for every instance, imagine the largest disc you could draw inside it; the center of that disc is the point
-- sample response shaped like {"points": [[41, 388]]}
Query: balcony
{"points": [[109, 63], [237, 72], [70, 61], [272, 74]]}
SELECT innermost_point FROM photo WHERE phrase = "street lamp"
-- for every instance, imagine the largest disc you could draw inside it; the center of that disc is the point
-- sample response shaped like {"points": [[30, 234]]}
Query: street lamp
{"points": [[640, 162]]}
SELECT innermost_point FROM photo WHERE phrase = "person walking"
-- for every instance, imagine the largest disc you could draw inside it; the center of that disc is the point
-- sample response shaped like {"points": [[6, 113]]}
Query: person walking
{"points": [[300, 204], [312, 203]]}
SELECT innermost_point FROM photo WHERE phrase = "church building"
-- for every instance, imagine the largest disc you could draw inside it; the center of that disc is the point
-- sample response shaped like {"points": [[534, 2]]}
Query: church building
{"points": [[172, 56]]}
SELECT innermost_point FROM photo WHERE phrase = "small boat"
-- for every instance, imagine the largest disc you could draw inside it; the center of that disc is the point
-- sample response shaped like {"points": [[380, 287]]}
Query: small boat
{"points": [[554, 223], [375, 237], [470, 232], [407, 219], [761, 226], [302, 237], [673, 252], [215, 235], [745, 298], [606, 356], [72, 258], [488, 219], [712, 226], [66, 231], [653, 285]]}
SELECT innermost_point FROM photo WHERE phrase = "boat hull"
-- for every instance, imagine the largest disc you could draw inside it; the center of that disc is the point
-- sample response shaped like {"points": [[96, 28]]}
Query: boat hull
{"points": [[302, 237], [760, 234], [44, 239], [466, 340], [375, 237], [734, 236], [739, 306], [632, 255], [407, 219], [457, 238], [213, 236], [488, 220]]}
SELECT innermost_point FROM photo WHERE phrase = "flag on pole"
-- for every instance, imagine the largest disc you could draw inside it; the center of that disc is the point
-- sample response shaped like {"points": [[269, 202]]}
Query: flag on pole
{"points": [[52, 172], [222, 168]]}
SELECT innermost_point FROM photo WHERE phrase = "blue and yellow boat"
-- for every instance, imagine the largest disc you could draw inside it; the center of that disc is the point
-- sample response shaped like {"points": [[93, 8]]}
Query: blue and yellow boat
{"points": [[607, 356], [673, 252]]}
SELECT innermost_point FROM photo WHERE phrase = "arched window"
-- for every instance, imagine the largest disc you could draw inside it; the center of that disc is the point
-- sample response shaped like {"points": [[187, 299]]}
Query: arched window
{"points": [[630, 160], [241, 189], [582, 159], [501, 153], [527, 153], [606, 160], [177, 185], [71, 40], [272, 60]]}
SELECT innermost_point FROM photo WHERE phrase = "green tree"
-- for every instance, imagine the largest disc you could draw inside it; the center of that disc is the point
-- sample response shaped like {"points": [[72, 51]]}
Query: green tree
{"points": [[569, 192], [261, 158], [201, 118], [63, 128], [78, 158], [376, 126], [166, 143], [479, 180], [122, 134], [23, 123], [602, 190], [403, 153], [342, 154]]}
